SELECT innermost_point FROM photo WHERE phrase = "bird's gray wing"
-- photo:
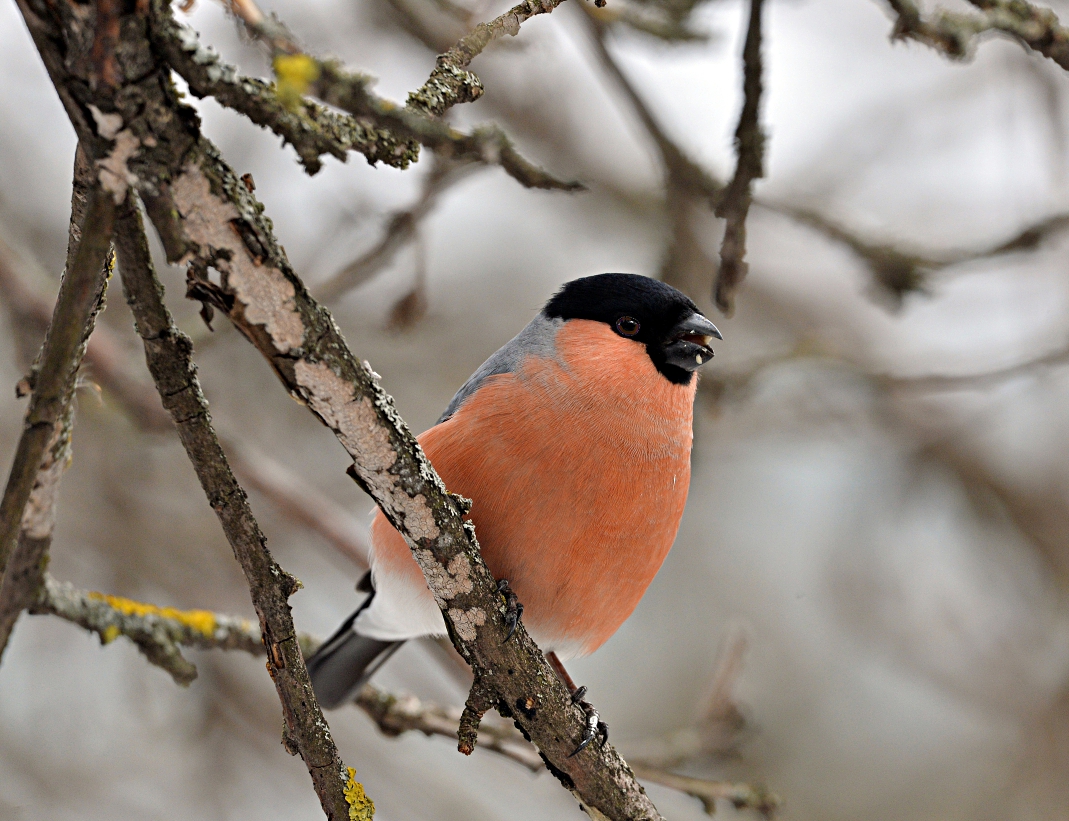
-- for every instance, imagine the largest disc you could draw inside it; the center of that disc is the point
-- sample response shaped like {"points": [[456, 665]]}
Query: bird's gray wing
{"points": [[537, 339]]}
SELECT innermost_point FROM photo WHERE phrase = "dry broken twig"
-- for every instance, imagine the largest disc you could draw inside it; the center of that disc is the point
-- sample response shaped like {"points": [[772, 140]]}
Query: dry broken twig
{"points": [[450, 82]]}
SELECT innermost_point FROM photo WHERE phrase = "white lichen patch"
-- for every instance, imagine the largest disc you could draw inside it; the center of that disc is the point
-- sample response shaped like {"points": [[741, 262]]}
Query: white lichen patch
{"points": [[465, 621], [354, 420], [39, 515], [449, 581], [114, 175], [262, 292], [419, 518]]}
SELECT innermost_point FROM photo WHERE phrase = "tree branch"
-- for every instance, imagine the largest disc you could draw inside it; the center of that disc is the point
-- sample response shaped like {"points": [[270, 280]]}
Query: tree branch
{"points": [[158, 632], [450, 81], [956, 35], [167, 352], [382, 130], [44, 447], [22, 575], [734, 203]]}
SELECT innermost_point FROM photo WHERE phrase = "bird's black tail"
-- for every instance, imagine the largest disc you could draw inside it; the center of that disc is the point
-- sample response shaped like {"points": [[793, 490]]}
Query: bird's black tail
{"points": [[346, 660]]}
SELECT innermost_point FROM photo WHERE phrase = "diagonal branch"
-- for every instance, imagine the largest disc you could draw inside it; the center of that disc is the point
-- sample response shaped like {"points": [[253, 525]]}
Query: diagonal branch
{"points": [[22, 576], [110, 368], [734, 204], [168, 351]]}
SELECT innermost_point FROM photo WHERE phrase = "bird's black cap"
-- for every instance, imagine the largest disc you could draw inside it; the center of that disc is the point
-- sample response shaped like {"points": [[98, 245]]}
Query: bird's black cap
{"points": [[667, 320]]}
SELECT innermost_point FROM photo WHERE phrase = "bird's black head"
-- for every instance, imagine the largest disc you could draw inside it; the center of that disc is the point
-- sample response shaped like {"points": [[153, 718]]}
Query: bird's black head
{"points": [[676, 335]]}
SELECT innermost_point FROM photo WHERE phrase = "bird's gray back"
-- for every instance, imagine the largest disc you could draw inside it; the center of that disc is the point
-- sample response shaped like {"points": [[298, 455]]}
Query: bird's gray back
{"points": [[536, 339]]}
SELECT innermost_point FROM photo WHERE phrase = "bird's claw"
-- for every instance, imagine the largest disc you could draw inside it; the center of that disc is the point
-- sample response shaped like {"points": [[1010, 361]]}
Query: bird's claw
{"points": [[513, 607], [594, 725]]}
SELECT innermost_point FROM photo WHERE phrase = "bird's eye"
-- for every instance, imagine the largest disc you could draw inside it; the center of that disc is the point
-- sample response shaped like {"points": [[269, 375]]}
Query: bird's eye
{"points": [[627, 325]]}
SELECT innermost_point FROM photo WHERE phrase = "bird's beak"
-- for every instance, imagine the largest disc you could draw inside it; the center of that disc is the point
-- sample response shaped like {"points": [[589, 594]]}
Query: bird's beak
{"points": [[689, 342]]}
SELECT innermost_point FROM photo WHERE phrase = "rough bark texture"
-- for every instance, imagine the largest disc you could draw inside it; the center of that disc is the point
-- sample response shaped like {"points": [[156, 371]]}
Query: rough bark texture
{"points": [[208, 219], [27, 515]]}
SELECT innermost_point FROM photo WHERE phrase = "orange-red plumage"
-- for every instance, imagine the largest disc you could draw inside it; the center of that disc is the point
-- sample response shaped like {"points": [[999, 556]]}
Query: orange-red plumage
{"points": [[578, 466]]}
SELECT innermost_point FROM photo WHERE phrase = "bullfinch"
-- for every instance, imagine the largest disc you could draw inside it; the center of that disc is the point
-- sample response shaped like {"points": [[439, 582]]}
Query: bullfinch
{"points": [[573, 442]]}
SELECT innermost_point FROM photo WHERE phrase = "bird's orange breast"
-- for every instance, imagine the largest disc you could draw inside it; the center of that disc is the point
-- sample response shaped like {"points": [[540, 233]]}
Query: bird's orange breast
{"points": [[578, 467]]}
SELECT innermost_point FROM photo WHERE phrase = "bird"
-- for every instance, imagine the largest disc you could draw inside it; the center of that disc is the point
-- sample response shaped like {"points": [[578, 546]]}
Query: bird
{"points": [[573, 444]]}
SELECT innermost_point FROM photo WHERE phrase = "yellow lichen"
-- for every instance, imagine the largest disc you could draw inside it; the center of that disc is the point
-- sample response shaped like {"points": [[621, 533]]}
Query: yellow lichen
{"points": [[361, 808], [201, 621], [295, 73], [111, 632]]}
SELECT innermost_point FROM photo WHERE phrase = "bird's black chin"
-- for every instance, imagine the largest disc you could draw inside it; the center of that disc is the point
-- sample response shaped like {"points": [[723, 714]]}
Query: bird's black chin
{"points": [[688, 345]]}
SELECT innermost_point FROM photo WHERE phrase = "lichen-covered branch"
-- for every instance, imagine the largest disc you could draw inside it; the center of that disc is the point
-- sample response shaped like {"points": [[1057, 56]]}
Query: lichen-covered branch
{"points": [[380, 129], [313, 130], [450, 82], [21, 577], [158, 632], [956, 34], [734, 203], [168, 353]]}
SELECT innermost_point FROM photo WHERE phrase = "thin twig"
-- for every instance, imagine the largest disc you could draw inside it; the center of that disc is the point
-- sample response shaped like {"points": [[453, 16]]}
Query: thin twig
{"points": [[450, 82], [21, 577], [898, 271], [734, 204], [739, 795], [167, 351]]}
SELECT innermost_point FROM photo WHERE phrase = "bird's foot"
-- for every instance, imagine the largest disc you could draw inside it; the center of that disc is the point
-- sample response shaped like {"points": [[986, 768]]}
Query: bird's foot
{"points": [[513, 607], [594, 725]]}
